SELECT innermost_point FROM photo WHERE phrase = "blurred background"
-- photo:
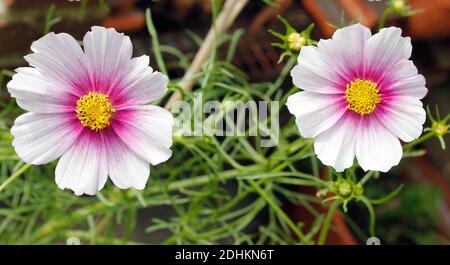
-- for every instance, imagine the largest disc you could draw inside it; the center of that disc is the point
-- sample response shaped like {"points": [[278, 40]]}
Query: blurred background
{"points": [[419, 215]]}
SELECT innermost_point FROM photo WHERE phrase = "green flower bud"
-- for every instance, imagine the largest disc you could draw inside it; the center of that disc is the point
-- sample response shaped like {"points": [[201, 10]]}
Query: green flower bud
{"points": [[440, 128], [399, 6], [344, 189], [296, 41], [358, 190]]}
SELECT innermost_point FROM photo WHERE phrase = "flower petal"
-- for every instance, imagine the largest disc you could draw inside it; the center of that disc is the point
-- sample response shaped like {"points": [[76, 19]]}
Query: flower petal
{"points": [[147, 130], [41, 138], [404, 117], [109, 55], [315, 113], [83, 168], [125, 168], [35, 94], [314, 74], [140, 85], [345, 51], [385, 49], [328, 67], [336, 146], [404, 80], [376, 148], [61, 60]]}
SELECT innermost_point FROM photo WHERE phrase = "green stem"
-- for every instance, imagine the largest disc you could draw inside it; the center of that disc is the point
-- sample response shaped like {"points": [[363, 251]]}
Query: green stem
{"points": [[14, 176], [383, 18], [422, 139], [225, 155], [366, 177], [101, 239], [186, 183], [326, 225], [371, 215], [286, 70], [278, 210], [155, 41], [99, 207]]}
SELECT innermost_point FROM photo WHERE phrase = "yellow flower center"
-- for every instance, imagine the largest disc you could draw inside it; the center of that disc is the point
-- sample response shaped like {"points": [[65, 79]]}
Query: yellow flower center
{"points": [[362, 96], [94, 111]]}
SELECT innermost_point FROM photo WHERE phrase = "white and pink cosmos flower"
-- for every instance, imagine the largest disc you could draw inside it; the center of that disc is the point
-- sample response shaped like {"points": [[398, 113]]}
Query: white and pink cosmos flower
{"points": [[88, 107], [361, 94]]}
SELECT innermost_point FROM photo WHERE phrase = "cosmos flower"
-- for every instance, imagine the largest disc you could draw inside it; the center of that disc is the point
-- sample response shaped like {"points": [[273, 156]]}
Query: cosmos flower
{"points": [[361, 93], [88, 107]]}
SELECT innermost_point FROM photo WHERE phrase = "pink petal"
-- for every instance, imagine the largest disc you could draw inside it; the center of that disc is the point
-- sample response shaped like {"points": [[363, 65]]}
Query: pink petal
{"points": [[336, 146], [125, 168], [147, 130], [127, 81], [314, 112], [328, 67], [42, 138], [385, 49], [403, 116], [34, 93], [403, 79], [140, 85], [61, 60], [314, 74], [376, 147], [109, 56], [345, 51], [83, 168]]}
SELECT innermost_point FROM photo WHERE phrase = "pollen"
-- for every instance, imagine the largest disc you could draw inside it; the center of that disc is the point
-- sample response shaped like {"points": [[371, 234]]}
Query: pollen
{"points": [[94, 110], [362, 96]]}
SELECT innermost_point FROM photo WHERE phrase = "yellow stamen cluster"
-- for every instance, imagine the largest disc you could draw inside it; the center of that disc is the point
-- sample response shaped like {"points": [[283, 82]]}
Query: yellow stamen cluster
{"points": [[94, 111], [362, 96]]}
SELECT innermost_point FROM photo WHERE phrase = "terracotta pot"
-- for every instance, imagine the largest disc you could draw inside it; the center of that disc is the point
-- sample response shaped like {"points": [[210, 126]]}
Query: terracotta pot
{"points": [[122, 6], [432, 23], [328, 13], [124, 17], [128, 22], [268, 13], [24, 30], [339, 233]]}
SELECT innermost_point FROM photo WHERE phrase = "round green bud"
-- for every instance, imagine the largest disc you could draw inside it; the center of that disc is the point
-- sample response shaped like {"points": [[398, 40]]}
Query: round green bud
{"points": [[296, 41], [358, 190], [399, 5], [440, 128], [344, 189]]}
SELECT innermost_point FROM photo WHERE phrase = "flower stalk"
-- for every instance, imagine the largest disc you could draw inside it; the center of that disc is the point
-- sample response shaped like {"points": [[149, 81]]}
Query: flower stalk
{"points": [[292, 41], [226, 17], [398, 7]]}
